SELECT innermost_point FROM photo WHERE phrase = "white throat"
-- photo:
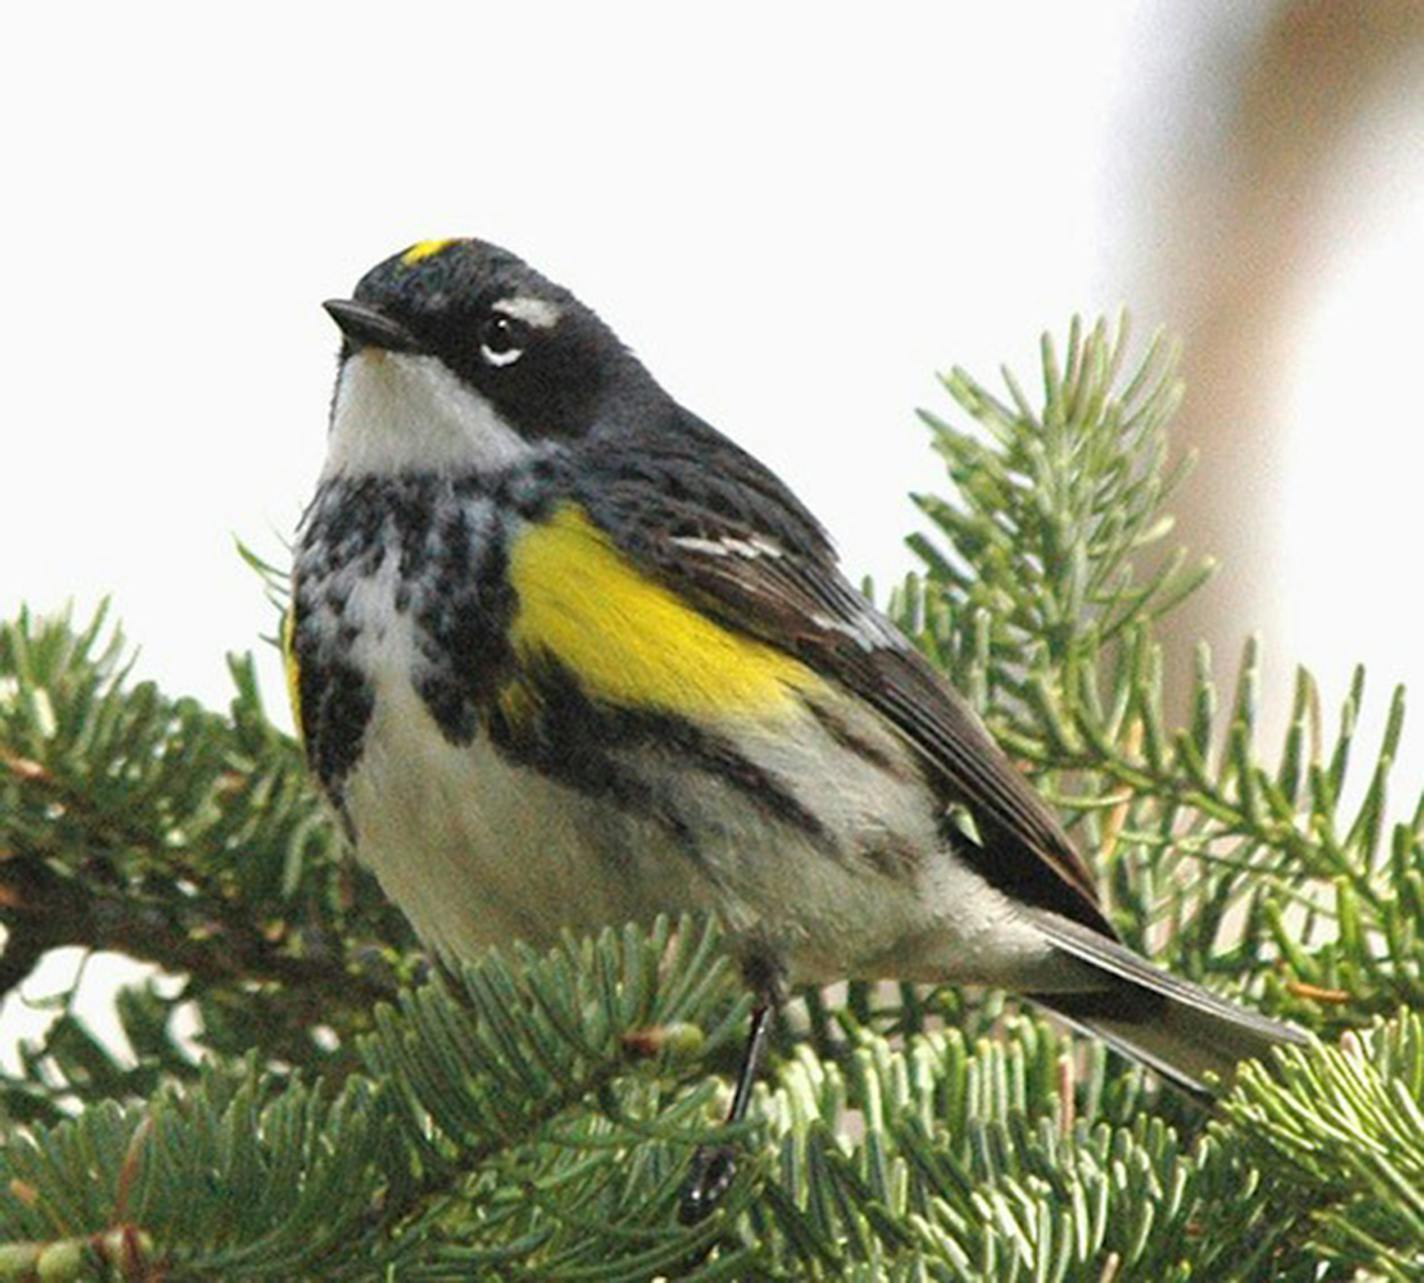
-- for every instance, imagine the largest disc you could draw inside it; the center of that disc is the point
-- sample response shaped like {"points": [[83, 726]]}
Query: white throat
{"points": [[396, 412]]}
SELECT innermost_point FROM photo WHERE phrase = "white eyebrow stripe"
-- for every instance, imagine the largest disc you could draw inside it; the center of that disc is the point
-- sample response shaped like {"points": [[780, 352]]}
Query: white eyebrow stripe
{"points": [[537, 312]]}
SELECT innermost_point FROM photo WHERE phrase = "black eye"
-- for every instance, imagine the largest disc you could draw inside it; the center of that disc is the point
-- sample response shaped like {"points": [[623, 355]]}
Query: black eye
{"points": [[503, 340]]}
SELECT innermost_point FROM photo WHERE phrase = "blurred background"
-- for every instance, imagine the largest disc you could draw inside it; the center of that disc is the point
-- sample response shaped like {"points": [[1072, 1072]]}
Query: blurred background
{"points": [[796, 216]]}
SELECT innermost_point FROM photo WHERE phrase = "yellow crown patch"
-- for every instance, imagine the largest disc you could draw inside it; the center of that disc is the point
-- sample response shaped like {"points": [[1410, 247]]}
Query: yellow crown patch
{"points": [[426, 249]]}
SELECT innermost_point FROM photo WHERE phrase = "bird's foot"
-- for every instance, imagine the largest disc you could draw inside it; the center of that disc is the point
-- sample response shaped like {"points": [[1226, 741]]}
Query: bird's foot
{"points": [[713, 1169]]}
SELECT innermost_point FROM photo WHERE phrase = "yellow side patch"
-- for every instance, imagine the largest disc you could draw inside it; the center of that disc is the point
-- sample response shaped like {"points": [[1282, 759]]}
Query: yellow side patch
{"points": [[631, 641], [292, 667], [426, 249]]}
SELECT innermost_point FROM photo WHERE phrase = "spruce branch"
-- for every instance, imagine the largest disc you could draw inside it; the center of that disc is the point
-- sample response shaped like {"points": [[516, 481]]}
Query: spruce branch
{"points": [[1347, 1124], [1036, 604], [532, 1117], [151, 827], [518, 1079]]}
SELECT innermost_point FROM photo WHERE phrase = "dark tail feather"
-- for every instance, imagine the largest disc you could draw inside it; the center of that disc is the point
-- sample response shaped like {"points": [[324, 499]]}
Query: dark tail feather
{"points": [[1172, 1026]]}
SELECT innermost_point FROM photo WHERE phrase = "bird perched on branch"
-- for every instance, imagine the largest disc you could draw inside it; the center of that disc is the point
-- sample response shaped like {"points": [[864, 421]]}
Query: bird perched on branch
{"points": [[562, 655]]}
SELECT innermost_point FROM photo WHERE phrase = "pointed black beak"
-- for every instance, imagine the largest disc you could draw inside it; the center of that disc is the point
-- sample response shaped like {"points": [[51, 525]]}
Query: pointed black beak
{"points": [[367, 326]]}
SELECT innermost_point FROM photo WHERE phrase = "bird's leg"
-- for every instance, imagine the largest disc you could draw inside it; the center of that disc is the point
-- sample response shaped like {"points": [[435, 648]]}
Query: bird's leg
{"points": [[751, 1063], [714, 1166]]}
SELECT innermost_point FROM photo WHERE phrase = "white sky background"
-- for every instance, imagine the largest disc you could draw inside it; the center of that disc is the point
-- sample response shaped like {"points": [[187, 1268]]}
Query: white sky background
{"points": [[795, 217]]}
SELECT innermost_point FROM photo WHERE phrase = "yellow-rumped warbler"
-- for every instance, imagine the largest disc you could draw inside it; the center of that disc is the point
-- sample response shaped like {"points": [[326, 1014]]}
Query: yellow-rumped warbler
{"points": [[564, 656]]}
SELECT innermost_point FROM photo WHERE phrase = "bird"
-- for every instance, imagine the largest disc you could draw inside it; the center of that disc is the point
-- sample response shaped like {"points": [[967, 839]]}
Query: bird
{"points": [[562, 655]]}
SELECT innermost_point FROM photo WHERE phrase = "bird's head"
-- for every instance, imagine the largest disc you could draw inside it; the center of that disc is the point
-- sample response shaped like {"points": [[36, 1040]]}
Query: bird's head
{"points": [[456, 354]]}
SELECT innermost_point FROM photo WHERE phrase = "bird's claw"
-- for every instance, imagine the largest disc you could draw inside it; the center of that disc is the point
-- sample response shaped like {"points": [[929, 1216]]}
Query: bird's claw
{"points": [[713, 1169]]}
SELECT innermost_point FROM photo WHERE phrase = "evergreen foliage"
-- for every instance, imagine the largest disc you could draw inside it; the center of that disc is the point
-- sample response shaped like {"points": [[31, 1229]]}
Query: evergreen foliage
{"points": [[344, 1111]]}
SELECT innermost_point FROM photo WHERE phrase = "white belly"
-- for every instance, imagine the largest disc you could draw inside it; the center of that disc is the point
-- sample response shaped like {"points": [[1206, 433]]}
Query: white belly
{"points": [[478, 850]]}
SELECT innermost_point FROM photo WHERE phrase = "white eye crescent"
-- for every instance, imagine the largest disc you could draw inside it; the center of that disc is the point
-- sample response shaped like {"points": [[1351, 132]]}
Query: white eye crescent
{"points": [[503, 340]]}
